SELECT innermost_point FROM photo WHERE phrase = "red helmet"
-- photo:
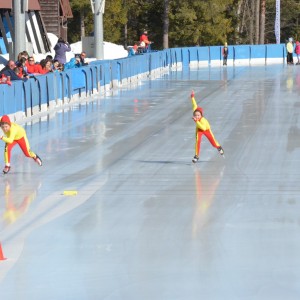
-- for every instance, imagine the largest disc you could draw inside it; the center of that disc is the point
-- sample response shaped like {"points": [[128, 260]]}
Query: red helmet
{"points": [[5, 119]]}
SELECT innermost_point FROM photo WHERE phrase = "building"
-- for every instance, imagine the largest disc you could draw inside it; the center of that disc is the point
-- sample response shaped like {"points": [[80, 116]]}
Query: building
{"points": [[41, 16]]}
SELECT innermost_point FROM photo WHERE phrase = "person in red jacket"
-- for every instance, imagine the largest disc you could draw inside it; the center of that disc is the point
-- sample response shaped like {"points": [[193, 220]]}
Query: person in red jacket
{"points": [[144, 41], [15, 134], [44, 67], [297, 51], [32, 67], [202, 128]]}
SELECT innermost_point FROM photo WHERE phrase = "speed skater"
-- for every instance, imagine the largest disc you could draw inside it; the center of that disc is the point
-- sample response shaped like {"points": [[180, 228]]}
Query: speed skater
{"points": [[15, 134], [202, 128]]}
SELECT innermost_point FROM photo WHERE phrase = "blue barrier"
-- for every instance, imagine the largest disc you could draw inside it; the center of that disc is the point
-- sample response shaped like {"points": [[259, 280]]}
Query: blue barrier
{"points": [[275, 51], [38, 93], [258, 51], [231, 53], [50, 83], [203, 53], [215, 53], [242, 52]]}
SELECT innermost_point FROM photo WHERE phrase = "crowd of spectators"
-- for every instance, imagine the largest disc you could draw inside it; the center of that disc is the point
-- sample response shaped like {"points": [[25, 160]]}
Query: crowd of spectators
{"points": [[26, 66]]}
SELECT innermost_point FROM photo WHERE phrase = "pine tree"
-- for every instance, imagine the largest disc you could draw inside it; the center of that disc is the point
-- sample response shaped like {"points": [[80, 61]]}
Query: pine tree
{"points": [[81, 11]]}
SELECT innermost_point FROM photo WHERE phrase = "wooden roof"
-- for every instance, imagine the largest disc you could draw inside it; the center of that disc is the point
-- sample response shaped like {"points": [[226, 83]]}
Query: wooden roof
{"points": [[32, 4]]}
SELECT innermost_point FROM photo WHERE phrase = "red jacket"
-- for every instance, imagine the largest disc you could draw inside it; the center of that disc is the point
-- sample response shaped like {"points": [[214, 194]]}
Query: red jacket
{"points": [[31, 69], [40, 70], [144, 38], [297, 49]]}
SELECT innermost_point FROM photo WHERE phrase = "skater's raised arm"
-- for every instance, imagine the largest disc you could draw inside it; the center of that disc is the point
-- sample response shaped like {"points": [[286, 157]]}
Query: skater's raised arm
{"points": [[194, 103]]}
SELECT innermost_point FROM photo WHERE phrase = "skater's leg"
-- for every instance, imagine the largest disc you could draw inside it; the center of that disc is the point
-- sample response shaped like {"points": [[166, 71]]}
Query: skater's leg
{"points": [[24, 145], [213, 141], [7, 152], [208, 133], [7, 155], [198, 142], [197, 145]]}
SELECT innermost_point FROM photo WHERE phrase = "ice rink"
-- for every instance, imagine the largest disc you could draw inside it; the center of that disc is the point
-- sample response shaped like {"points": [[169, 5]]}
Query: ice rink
{"points": [[147, 223]]}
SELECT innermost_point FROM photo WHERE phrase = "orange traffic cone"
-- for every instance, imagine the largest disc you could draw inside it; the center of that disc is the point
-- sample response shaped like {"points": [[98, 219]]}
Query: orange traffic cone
{"points": [[1, 253]]}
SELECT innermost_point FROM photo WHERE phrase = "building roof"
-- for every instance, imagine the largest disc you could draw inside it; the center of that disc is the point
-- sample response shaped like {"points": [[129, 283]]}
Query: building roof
{"points": [[32, 4]]}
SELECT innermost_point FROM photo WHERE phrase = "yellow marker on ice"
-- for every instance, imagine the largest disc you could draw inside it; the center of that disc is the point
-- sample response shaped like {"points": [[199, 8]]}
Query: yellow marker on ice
{"points": [[70, 193]]}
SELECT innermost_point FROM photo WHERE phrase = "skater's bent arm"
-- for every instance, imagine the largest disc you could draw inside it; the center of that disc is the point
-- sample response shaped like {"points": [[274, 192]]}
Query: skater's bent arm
{"points": [[8, 140], [11, 137], [202, 124]]}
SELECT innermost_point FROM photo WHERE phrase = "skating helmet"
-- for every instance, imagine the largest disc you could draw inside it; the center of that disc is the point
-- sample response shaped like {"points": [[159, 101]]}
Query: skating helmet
{"points": [[5, 119]]}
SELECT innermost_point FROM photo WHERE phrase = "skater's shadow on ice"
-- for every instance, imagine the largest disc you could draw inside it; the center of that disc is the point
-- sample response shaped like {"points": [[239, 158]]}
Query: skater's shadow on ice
{"points": [[176, 162]]}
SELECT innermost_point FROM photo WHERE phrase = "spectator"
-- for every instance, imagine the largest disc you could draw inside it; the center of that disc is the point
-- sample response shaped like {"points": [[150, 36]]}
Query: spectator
{"points": [[144, 38], [297, 51], [49, 57], [8, 71], [57, 66], [23, 54], [22, 67], [144, 41], [225, 53], [18, 73], [131, 51], [290, 51], [60, 67], [44, 67], [32, 67], [82, 59], [73, 63], [60, 50]]}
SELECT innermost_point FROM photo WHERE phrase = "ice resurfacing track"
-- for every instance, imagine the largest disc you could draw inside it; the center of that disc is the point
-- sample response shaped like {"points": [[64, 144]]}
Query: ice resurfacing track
{"points": [[147, 223]]}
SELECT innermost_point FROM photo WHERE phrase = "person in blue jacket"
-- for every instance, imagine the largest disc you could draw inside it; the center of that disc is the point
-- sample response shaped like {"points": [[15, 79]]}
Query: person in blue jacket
{"points": [[73, 63]]}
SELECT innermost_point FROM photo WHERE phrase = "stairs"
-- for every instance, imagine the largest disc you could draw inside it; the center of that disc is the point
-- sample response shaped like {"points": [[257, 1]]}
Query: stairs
{"points": [[55, 14], [50, 11]]}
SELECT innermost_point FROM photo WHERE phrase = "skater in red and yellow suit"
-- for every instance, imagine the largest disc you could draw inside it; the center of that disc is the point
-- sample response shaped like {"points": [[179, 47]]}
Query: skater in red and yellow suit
{"points": [[15, 134], [202, 128]]}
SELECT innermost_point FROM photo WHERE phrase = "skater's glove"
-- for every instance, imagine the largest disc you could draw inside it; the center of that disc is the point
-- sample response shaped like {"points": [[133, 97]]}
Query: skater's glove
{"points": [[195, 119], [192, 94]]}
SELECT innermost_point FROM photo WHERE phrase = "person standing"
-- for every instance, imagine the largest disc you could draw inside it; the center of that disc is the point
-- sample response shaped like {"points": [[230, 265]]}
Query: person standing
{"points": [[202, 128], [290, 51], [225, 53], [144, 41], [60, 49], [15, 134], [297, 51]]}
